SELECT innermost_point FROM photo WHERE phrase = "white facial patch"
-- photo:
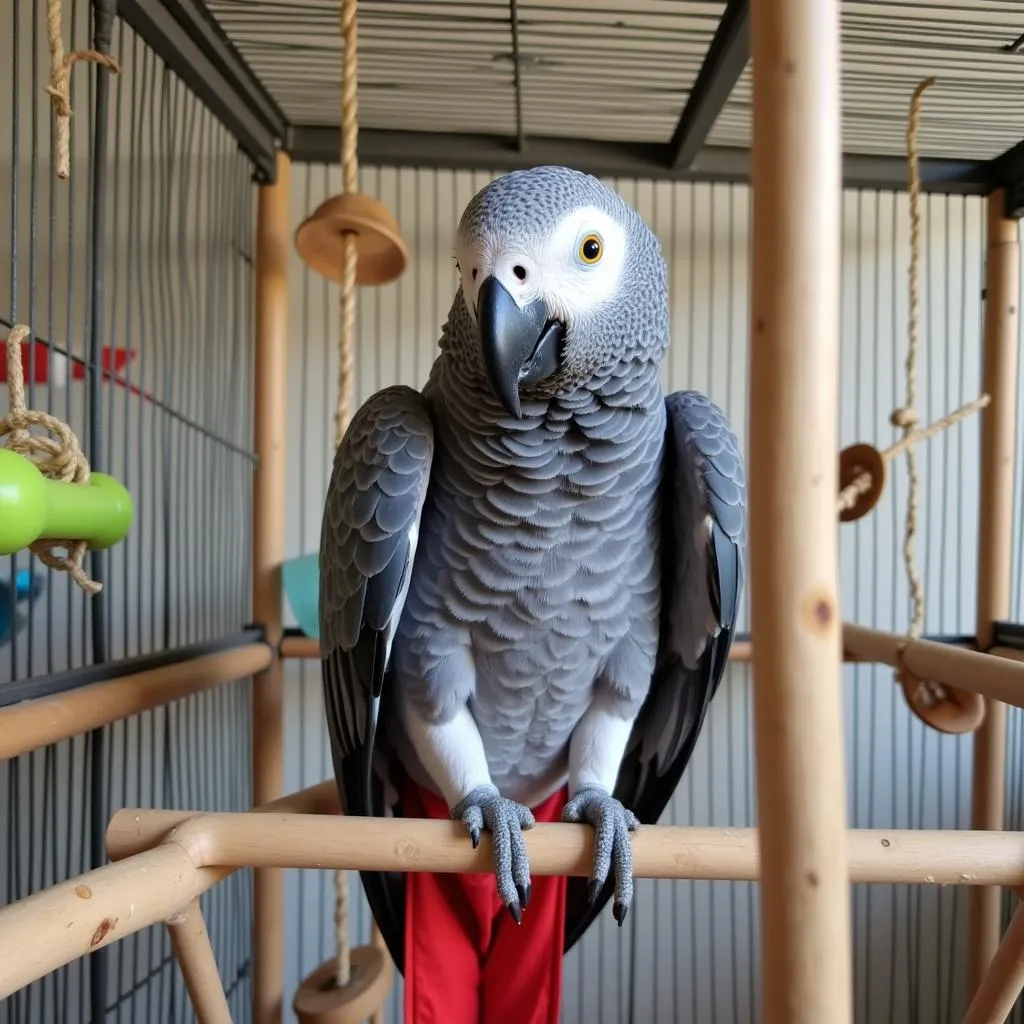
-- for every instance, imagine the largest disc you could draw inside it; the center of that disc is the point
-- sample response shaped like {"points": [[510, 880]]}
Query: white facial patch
{"points": [[552, 267], [571, 286]]}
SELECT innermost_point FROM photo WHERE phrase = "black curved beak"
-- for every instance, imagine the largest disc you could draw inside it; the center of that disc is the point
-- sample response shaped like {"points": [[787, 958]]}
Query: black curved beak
{"points": [[520, 346]]}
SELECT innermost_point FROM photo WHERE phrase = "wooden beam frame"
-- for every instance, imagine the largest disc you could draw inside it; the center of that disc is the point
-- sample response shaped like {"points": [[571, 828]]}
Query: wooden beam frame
{"points": [[273, 250], [793, 482], [995, 542], [726, 58], [999, 987]]}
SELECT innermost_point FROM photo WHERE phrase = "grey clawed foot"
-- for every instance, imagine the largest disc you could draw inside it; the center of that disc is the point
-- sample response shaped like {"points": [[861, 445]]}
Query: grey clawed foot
{"points": [[486, 808], [612, 824]]}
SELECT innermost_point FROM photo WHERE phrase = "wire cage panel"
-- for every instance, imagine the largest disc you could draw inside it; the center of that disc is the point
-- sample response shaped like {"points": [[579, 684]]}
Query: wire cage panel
{"points": [[160, 397], [158, 389], [192, 753], [690, 950]]}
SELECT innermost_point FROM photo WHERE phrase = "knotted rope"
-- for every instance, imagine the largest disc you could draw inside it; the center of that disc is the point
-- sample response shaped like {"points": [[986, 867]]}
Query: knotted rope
{"points": [[346, 357], [59, 88], [350, 184], [906, 417], [928, 692], [59, 457]]}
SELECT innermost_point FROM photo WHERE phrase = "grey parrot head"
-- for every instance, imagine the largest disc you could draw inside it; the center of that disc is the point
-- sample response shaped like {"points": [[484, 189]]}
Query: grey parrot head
{"points": [[563, 282]]}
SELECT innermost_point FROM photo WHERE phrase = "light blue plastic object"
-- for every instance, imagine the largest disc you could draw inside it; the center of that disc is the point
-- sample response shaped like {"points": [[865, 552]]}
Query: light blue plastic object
{"points": [[27, 587], [301, 579]]}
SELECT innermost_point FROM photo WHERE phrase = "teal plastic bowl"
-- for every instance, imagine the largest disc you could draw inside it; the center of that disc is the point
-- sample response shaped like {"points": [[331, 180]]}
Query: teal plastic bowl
{"points": [[301, 580]]}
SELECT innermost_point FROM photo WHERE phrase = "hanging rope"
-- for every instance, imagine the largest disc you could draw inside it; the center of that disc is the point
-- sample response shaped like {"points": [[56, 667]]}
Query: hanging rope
{"points": [[906, 416], [59, 457], [928, 692], [346, 357], [59, 88], [350, 184]]}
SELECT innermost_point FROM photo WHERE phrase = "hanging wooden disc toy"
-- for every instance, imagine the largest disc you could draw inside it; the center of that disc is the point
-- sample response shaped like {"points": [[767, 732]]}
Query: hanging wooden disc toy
{"points": [[862, 477], [351, 239]]}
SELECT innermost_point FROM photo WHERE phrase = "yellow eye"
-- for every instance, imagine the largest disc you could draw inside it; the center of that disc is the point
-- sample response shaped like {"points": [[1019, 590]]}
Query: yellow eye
{"points": [[591, 249]]}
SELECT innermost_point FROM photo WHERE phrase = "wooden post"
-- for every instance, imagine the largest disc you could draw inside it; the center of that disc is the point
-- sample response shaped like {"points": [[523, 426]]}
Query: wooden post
{"points": [[272, 252], [198, 964], [793, 480], [1002, 984], [995, 537]]}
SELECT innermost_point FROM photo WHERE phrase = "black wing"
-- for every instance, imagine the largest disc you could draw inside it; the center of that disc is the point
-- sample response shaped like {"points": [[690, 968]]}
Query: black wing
{"points": [[367, 547], [703, 550]]}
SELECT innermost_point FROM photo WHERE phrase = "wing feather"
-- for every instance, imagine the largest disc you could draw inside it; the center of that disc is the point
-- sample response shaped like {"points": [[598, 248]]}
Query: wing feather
{"points": [[368, 543], [703, 559]]}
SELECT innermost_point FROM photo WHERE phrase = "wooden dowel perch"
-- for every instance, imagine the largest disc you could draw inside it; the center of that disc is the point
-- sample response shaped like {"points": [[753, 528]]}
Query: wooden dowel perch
{"points": [[154, 826], [34, 724], [971, 671], [309, 647], [270, 442], [1002, 984], [792, 483], [995, 547], [191, 944], [50, 928], [189, 939]]}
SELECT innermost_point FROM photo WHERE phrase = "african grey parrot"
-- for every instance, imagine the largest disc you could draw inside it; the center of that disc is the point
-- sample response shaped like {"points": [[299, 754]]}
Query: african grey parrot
{"points": [[530, 570]]}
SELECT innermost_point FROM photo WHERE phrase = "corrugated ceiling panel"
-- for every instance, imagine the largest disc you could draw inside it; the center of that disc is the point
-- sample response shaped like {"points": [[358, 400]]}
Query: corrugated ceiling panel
{"points": [[601, 70], [975, 110], [446, 65]]}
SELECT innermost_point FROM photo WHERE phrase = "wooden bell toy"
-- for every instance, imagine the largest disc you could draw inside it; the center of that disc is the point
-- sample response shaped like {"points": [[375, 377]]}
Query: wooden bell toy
{"points": [[381, 253], [320, 1001]]}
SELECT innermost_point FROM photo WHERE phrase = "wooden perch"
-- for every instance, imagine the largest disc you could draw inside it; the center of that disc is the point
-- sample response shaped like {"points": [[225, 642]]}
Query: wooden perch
{"points": [[990, 675], [44, 931]]}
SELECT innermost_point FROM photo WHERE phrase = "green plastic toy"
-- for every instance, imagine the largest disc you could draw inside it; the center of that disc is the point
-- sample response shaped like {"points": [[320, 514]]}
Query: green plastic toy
{"points": [[34, 508]]}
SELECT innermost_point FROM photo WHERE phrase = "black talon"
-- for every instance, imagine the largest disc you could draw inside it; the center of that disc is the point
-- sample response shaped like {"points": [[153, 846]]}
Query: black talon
{"points": [[475, 837], [524, 895], [619, 911], [593, 889], [513, 909]]}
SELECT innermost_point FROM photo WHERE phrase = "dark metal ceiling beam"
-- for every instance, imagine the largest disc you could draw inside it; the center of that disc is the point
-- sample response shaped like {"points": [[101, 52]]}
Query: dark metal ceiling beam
{"points": [[517, 71], [187, 39], [726, 58], [1008, 634], [1008, 173], [320, 144]]}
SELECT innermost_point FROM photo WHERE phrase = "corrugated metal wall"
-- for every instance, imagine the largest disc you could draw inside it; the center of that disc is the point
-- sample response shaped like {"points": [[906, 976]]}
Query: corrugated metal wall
{"points": [[690, 951]]}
